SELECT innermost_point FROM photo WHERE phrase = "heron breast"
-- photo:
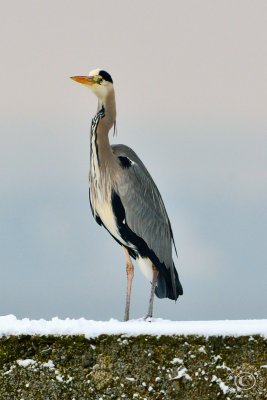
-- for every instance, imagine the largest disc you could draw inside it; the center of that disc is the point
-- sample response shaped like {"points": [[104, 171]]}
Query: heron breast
{"points": [[107, 216]]}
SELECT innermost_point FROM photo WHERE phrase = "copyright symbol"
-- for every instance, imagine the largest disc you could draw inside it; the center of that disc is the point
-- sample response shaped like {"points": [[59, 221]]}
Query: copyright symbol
{"points": [[245, 381]]}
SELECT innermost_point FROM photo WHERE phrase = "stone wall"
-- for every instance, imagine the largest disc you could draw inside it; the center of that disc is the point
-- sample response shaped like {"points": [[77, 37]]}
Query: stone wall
{"points": [[135, 367]]}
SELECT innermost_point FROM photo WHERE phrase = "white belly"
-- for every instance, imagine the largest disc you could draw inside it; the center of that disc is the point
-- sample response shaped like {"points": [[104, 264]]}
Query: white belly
{"points": [[145, 266], [105, 212]]}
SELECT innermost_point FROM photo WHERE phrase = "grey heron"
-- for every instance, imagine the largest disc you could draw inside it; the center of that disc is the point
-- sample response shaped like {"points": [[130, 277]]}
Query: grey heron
{"points": [[125, 200]]}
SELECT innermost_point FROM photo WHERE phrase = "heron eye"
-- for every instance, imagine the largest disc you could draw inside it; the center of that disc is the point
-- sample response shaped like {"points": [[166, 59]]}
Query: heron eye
{"points": [[98, 79]]}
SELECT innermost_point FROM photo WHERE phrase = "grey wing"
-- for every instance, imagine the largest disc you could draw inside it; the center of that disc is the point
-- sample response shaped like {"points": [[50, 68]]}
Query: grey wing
{"points": [[145, 212]]}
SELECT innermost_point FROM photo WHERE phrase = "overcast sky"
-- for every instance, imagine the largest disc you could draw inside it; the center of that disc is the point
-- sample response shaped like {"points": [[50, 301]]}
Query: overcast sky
{"points": [[190, 81]]}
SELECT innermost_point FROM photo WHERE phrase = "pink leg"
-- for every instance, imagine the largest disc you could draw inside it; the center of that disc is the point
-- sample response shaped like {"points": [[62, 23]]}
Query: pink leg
{"points": [[153, 287], [130, 275]]}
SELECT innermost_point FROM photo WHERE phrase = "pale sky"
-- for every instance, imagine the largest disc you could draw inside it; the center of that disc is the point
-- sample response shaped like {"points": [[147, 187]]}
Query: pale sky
{"points": [[190, 81]]}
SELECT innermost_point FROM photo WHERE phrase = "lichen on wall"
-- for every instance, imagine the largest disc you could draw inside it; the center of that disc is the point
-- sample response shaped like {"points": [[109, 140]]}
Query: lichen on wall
{"points": [[132, 367]]}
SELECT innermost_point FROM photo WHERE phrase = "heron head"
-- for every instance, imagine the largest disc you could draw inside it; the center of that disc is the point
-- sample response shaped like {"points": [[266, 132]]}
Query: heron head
{"points": [[99, 81]]}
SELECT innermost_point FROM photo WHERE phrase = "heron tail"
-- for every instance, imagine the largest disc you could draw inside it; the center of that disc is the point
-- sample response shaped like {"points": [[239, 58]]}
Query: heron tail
{"points": [[169, 285]]}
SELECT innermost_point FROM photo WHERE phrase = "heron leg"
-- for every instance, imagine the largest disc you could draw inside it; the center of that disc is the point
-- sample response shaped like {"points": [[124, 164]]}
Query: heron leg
{"points": [[153, 287], [130, 275]]}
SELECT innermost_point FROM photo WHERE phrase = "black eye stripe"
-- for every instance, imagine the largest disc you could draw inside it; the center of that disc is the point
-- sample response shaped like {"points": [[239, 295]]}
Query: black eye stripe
{"points": [[105, 75]]}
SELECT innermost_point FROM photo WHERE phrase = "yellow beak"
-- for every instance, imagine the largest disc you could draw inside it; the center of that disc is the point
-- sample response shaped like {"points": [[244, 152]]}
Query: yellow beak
{"points": [[85, 80]]}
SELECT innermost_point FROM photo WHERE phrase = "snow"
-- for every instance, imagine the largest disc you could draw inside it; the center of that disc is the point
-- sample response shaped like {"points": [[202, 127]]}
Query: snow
{"points": [[181, 373], [223, 366], [33, 363], [26, 363], [202, 349], [10, 325], [49, 364], [225, 389], [177, 360], [10, 370]]}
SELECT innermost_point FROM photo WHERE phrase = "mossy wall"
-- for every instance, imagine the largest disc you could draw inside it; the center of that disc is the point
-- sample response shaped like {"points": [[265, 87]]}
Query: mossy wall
{"points": [[140, 367]]}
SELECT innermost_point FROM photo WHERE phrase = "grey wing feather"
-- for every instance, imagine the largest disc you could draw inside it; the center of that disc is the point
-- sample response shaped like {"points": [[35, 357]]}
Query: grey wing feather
{"points": [[144, 208]]}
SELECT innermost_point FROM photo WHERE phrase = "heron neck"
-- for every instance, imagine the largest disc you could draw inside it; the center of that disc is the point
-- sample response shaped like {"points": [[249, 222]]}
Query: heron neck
{"points": [[105, 123], [101, 152]]}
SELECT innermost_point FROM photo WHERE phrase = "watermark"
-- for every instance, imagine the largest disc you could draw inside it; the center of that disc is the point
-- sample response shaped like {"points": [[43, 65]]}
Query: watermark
{"points": [[245, 381], [247, 378]]}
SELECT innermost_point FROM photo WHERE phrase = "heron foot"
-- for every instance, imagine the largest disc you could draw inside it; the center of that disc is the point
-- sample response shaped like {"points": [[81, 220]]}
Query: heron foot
{"points": [[148, 318]]}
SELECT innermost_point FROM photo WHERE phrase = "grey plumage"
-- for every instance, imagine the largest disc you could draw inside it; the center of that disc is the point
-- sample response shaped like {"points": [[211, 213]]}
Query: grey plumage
{"points": [[145, 212]]}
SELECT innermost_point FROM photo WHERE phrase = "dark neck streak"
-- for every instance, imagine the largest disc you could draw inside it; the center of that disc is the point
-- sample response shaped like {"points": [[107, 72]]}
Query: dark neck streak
{"points": [[107, 113], [93, 137], [101, 152]]}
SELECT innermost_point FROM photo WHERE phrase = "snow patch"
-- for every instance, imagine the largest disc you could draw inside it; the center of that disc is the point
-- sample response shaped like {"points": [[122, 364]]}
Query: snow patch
{"points": [[10, 370], [10, 325], [202, 349], [49, 364], [225, 389], [182, 373], [26, 363], [223, 366], [177, 360]]}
